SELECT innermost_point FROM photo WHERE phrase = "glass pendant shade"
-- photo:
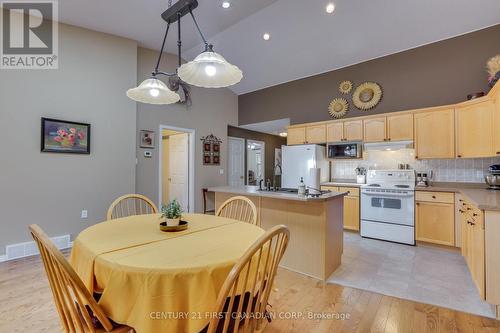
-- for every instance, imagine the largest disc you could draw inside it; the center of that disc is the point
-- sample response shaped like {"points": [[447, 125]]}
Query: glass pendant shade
{"points": [[153, 91], [210, 70]]}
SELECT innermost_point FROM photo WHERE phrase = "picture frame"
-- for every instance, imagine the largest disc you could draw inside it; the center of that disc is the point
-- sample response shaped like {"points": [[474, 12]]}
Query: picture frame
{"points": [[147, 139], [64, 137]]}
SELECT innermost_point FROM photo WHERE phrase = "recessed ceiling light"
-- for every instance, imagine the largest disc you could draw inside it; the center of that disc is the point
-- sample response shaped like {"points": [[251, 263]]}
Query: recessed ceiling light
{"points": [[226, 4], [266, 36], [330, 8], [283, 134]]}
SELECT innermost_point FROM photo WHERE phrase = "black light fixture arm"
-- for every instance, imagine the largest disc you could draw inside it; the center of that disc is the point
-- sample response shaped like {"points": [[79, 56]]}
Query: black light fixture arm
{"points": [[156, 70], [207, 46]]}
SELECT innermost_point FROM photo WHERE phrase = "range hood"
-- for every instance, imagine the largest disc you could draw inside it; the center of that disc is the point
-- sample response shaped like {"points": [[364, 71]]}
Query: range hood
{"points": [[388, 145]]}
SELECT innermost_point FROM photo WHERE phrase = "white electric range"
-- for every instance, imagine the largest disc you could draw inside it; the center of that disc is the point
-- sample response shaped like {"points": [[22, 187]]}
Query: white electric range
{"points": [[388, 206]]}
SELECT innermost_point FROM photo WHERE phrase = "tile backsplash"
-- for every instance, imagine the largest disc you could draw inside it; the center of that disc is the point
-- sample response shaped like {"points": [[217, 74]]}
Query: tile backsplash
{"points": [[443, 170]]}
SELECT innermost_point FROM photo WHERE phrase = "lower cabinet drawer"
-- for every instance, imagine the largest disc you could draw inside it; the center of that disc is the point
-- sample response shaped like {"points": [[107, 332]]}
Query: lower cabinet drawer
{"points": [[444, 197], [435, 222]]}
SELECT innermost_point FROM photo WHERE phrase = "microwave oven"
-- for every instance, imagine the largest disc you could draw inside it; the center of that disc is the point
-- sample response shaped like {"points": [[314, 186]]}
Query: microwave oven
{"points": [[345, 150]]}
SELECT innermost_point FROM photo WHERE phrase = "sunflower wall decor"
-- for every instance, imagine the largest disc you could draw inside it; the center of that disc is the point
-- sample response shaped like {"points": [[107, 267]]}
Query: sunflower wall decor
{"points": [[338, 108], [345, 87], [367, 95]]}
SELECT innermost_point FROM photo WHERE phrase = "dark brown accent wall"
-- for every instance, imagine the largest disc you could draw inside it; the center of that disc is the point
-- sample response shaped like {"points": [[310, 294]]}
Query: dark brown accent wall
{"points": [[436, 74], [272, 142]]}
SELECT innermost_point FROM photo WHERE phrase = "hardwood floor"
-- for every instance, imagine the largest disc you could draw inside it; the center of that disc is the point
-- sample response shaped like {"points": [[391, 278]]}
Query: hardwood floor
{"points": [[26, 306]]}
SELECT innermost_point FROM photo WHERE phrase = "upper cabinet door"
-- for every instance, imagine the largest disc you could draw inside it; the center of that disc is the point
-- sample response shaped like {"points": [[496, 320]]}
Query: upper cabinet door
{"points": [[296, 136], [400, 127], [353, 130], [497, 120], [435, 134], [374, 129], [474, 126], [316, 134], [335, 132]]}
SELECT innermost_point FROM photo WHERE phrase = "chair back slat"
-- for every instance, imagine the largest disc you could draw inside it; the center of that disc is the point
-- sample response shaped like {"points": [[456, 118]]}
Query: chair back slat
{"points": [[72, 298], [239, 208], [243, 299], [131, 204]]}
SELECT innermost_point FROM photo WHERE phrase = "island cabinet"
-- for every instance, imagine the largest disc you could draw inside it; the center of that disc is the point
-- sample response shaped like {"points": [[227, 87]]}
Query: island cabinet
{"points": [[398, 127], [345, 131], [475, 129], [351, 205], [473, 243], [435, 133], [306, 135], [435, 217]]}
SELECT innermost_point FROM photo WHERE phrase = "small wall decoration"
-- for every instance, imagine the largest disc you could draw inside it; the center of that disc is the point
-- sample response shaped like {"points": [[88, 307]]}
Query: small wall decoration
{"points": [[338, 107], [211, 150], [345, 87], [60, 136], [147, 139], [367, 95]]}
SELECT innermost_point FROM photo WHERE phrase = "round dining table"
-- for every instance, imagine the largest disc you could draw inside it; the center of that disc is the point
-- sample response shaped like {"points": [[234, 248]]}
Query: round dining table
{"points": [[157, 281]]}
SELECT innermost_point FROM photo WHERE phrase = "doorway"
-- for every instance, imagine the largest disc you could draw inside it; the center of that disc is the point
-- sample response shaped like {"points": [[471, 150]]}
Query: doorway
{"points": [[255, 161], [176, 166], [236, 161]]}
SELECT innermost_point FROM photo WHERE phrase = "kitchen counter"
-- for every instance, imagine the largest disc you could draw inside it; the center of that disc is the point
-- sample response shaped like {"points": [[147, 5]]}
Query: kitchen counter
{"points": [[254, 191], [477, 193], [315, 224]]}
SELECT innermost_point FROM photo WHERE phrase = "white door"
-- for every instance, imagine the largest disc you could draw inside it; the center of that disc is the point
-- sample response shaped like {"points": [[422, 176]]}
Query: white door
{"points": [[236, 161], [178, 169]]}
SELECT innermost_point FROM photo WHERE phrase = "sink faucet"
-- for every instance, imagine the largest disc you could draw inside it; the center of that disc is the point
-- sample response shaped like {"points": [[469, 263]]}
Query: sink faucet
{"points": [[260, 184], [268, 184], [275, 183]]}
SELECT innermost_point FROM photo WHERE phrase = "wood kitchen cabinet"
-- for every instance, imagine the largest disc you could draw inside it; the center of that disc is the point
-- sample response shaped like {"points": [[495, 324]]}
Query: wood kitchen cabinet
{"points": [[351, 206], [435, 133], [496, 101], [296, 136], [345, 131], [473, 244], [475, 129], [397, 127], [374, 129], [307, 134], [435, 218], [316, 134]]}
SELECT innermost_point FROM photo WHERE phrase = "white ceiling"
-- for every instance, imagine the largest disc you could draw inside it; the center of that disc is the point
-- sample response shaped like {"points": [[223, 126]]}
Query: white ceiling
{"points": [[305, 40], [274, 127]]}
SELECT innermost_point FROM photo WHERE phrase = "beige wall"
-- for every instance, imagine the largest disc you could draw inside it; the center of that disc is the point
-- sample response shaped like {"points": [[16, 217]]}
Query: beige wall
{"points": [[94, 72], [211, 112]]}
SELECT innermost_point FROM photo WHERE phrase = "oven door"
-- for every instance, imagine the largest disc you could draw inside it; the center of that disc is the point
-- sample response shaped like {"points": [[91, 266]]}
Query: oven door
{"points": [[389, 206]]}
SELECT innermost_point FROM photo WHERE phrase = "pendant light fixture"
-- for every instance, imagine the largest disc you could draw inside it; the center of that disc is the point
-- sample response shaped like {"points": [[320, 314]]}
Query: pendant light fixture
{"points": [[207, 70]]}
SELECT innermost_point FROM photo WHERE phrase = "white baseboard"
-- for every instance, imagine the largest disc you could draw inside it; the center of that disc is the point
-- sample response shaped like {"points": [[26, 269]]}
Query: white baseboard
{"points": [[28, 249]]}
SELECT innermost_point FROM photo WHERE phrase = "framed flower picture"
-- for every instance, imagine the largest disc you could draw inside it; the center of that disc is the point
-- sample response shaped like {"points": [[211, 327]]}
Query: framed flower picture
{"points": [[147, 139], [60, 136]]}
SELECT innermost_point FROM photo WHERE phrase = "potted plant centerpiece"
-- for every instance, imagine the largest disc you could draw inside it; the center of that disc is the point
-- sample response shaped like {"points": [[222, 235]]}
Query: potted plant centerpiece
{"points": [[171, 213]]}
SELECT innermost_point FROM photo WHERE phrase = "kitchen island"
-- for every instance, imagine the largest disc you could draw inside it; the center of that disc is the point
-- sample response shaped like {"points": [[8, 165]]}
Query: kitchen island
{"points": [[316, 225]]}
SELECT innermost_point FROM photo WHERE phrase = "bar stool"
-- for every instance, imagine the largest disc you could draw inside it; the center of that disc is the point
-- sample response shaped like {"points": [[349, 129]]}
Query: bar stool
{"points": [[205, 210]]}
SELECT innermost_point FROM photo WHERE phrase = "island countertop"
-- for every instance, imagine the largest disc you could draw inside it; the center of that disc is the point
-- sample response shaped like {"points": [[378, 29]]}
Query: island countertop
{"points": [[254, 191]]}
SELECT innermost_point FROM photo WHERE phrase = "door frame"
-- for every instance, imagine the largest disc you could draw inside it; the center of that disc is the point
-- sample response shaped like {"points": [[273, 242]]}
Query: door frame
{"points": [[263, 159], [191, 163], [244, 157]]}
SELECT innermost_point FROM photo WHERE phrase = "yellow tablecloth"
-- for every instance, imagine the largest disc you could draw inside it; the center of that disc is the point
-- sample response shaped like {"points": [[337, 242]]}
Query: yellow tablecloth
{"points": [[155, 281]]}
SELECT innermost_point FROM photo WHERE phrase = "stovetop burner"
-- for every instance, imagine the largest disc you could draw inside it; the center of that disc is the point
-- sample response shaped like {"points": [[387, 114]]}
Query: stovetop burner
{"points": [[402, 186], [374, 185]]}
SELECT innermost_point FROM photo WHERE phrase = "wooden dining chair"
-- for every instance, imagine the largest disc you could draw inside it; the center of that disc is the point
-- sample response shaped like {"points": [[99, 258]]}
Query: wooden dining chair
{"points": [[131, 204], [266, 253], [239, 208], [78, 310], [205, 195]]}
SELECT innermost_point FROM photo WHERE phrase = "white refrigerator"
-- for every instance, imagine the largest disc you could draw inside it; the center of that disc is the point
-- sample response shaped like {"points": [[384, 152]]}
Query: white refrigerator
{"points": [[296, 162]]}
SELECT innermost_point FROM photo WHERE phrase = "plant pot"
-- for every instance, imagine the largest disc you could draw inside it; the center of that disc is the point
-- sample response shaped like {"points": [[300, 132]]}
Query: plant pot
{"points": [[173, 222]]}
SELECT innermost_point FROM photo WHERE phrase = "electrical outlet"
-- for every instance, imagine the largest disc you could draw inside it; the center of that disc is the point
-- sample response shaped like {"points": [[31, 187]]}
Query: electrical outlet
{"points": [[84, 214], [221, 171]]}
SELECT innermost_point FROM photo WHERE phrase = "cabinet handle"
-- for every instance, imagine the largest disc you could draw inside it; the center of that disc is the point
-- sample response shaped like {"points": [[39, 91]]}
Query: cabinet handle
{"points": [[475, 214], [459, 156], [461, 211], [433, 197], [388, 139], [498, 152], [460, 200]]}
